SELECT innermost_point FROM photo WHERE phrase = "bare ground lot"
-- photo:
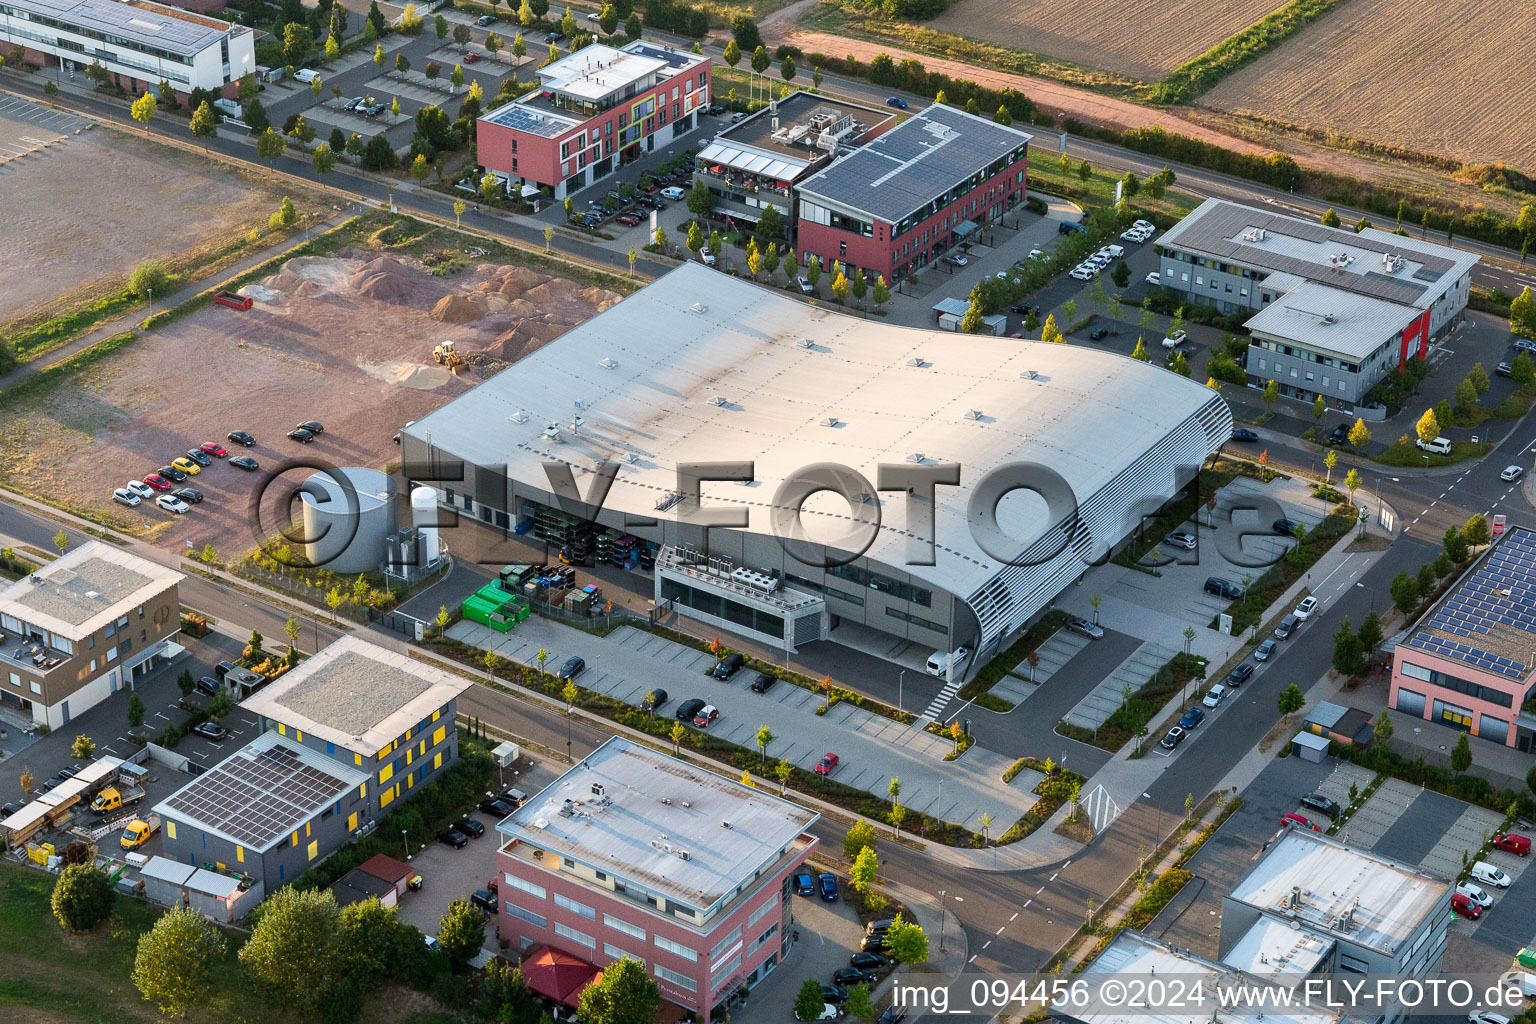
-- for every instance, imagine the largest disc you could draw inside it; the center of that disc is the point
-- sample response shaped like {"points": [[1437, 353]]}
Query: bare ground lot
{"points": [[1143, 39], [1403, 74], [344, 339], [94, 205]]}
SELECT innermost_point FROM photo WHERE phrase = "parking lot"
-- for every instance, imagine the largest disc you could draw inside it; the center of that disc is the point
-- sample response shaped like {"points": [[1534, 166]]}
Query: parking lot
{"points": [[826, 935]]}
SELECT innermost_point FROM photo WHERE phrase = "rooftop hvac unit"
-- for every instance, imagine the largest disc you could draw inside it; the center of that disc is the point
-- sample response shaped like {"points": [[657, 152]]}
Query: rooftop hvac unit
{"points": [[552, 432], [667, 800], [725, 824], [685, 855]]}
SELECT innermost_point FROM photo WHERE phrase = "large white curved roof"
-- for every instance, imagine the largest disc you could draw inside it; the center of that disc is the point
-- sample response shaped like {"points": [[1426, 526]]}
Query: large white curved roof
{"points": [[701, 366]]}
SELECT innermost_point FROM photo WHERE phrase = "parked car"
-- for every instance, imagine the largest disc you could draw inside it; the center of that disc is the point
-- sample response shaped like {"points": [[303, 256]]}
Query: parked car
{"points": [[879, 942], [828, 762], [313, 426], [806, 288], [1439, 446], [471, 57], [495, 806], [1504, 369], [139, 489], [1264, 650], [1176, 339], [245, 462], [200, 457], [1191, 718], [1239, 675], [1173, 737], [1181, 540], [572, 668], [834, 994], [484, 20], [828, 1012], [1082, 273], [485, 900], [1025, 308], [171, 473], [706, 714], [1287, 820], [654, 700], [1284, 527], [1321, 804], [1098, 334], [1511, 474], [956, 260], [1520, 845], [764, 682], [869, 961], [688, 708], [939, 662], [1286, 627], [629, 220], [372, 110], [707, 258], [1243, 434], [728, 666], [213, 448], [805, 884], [1223, 588], [1473, 893], [301, 436], [240, 437], [1082, 627], [171, 503], [673, 193], [826, 884], [1486, 873], [553, 37], [1463, 907], [897, 102], [211, 731], [852, 976], [1338, 436], [1306, 608], [892, 1014], [469, 826], [452, 837], [123, 496], [1214, 696], [209, 685], [190, 495]]}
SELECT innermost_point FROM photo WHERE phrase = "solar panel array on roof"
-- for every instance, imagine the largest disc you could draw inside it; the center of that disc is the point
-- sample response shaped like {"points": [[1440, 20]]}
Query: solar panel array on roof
{"points": [[519, 118], [254, 797], [166, 28], [1501, 592]]}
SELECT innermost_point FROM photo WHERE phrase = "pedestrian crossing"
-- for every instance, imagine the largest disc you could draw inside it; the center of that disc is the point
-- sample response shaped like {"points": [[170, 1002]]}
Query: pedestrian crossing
{"points": [[941, 701]]}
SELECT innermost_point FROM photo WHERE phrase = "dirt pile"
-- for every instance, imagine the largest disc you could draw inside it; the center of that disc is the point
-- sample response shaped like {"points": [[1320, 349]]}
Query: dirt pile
{"points": [[385, 279], [460, 309]]}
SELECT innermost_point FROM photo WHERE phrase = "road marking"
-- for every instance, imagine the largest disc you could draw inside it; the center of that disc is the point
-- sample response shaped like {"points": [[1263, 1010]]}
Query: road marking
{"points": [[1040, 890], [998, 932], [1027, 903], [973, 958], [1014, 918], [988, 943], [1066, 865]]}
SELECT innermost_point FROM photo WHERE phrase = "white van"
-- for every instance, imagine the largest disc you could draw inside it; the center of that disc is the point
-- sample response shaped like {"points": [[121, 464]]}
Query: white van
{"points": [[1486, 873], [938, 661], [1520, 982], [305, 75], [1439, 446]]}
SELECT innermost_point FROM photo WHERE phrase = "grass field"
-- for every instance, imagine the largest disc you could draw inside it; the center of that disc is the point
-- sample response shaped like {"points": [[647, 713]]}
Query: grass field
{"points": [[1141, 39], [1403, 75]]}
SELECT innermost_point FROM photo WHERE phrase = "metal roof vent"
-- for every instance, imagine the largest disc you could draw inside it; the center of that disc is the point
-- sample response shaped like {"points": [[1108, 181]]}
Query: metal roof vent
{"points": [[974, 414], [1029, 374], [916, 361], [725, 824], [806, 343], [916, 457], [631, 458], [552, 432], [720, 402], [830, 421], [521, 416], [608, 363], [698, 307]]}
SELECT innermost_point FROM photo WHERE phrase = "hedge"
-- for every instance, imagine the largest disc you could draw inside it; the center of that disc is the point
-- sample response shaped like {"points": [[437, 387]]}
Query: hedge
{"points": [[1156, 898]]}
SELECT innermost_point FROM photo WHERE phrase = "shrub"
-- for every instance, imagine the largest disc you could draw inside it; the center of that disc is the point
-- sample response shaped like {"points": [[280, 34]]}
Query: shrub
{"points": [[148, 278]]}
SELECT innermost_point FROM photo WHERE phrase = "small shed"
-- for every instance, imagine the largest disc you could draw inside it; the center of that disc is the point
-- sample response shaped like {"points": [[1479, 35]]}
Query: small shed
{"points": [[357, 885], [1349, 726], [164, 878], [217, 897], [388, 869], [951, 305], [506, 753], [1309, 747]]}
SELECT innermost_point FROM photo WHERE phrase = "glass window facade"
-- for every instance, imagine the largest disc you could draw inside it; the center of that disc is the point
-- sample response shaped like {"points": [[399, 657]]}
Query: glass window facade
{"points": [[711, 602]]}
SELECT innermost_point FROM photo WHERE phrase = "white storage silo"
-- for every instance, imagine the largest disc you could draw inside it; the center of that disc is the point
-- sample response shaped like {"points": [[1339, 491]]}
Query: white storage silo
{"points": [[424, 520], [348, 517]]}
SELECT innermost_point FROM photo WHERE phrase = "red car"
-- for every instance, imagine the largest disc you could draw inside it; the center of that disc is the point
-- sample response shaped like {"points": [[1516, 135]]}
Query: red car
{"points": [[213, 448], [708, 713], [491, 885], [628, 220], [829, 761], [1464, 906], [1296, 819], [471, 58], [1514, 844], [158, 482]]}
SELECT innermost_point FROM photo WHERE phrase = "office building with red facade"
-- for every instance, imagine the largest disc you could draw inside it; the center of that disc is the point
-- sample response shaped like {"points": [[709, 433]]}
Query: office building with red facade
{"points": [[593, 112], [633, 853], [913, 193], [1334, 310]]}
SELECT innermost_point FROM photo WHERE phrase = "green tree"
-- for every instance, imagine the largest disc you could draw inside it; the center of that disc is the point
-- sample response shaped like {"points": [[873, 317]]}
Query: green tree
{"points": [[770, 223], [971, 323], [1271, 392], [1461, 755], [859, 1005], [761, 60], [270, 145], [783, 771], [1002, 116], [732, 53], [220, 706], [1140, 351], [185, 683], [840, 293], [1382, 731], [378, 54], [1476, 531], [293, 949], [608, 19], [676, 735], [809, 1002], [695, 239], [370, 940], [701, 200], [1319, 406], [1370, 632], [1179, 364], [1348, 652], [440, 26], [84, 747], [144, 108], [787, 68], [1291, 700], [1084, 170], [1522, 314], [882, 292], [173, 967], [147, 279], [461, 930], [136, 711], [1359, 434], [866, 868], [762, 739], [490, 188], [861, 836], [420, 169], [82, 897], [1130, 185], [505, 996], [813, 270], [1522, 369], [909, 944], [462, 34], [297, 42], [632, 26], [402, 65], [1330, 219], [323, 160], [1455, 544], [1479, 378], [1405, 592], [1466, 394], [1121, 275], [626, 994], [204, 124]]}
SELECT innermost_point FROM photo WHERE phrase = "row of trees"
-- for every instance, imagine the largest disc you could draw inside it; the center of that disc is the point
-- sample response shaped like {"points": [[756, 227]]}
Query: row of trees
{"points": [[1410, 590]]}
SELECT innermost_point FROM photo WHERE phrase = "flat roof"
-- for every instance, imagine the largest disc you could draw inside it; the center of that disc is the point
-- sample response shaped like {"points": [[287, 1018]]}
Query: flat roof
{"points": [[1384, 901], [657, 809], [167, 28], [701, 366], [85, 588], [356, 694], [1323, 317], [1132, 953], [914, 163], [1275, 946], [797, 131], [262, 792], [1487, 620], [596, 70], [1375, 263], [525, 114]]}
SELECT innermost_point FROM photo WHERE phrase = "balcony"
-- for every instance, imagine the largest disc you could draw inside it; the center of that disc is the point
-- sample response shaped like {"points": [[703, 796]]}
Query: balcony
{"points": [[738, 185], [30, 654]]}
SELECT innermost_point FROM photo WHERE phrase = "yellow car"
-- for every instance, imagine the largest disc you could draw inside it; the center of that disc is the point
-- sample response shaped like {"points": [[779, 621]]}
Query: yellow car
{"points": [[187, 466]]}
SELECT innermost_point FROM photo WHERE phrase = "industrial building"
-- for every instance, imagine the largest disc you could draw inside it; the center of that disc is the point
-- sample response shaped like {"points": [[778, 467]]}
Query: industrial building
{"points": [[1335, 311], [1469, 662], [346, 733], [915, 192], [348, 519], [138, 43], [703, 367], [757, 162], [633, 853], [593, 112], [82, 627]]}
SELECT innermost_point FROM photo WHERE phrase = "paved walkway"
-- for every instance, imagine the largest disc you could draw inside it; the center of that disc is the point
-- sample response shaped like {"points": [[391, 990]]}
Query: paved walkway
{"points": [[130, 318]]}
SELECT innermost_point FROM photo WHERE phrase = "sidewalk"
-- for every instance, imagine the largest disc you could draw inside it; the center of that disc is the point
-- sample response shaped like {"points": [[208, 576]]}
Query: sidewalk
{"points": [[125, 320]]}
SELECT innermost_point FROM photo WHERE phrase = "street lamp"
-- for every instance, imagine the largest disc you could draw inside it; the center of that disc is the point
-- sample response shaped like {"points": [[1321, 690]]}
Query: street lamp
{"points": [[901, 682], [1159, 836], [942, 908], [406, 842], [568, 758]]}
